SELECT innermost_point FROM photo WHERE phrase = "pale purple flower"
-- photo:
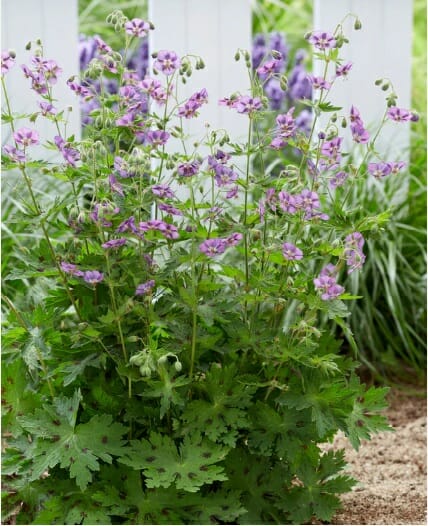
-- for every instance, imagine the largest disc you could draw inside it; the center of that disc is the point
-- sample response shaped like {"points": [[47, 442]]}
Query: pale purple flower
{"points": [[319, 82], [311, 214], [145, 288], [328, 286], [379, 170], [163, 191], [219, 157], [338, 179], [213, 247], [70, 268], [7, 61], [18, 156], [399, 114], [247, 104], [329, 270], [343, 70], [80, 90], [47, 108], [168, 230], [169, 209], [93, 276], [291, 252], [160, 95], [268, 68], [102, 47], [157, 137], [354, 116], [353, 252], [127, 225], [188, 169], [167, 62], [397, 166], [309, 200], [233, 239], [189, 110], [114, 243], [137, 27], [115, 186], [286, 124], [278, 143], [71, 155], [229, 102], [232, 193], [287, 202], [322, 40], [359, 133], [331, 148], [122, 167], [200, 97], [26, 137], [224, 175], [126, 120], [150, 85]]}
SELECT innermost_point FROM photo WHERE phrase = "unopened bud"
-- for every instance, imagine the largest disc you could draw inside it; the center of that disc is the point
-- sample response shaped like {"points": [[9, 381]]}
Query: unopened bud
{"points": [[163, 359], [28, 46], [12, 53], [276, 54], [344, 123], [145, 370], [358, 25], [152, 26], [237, 56], [178, 366], [283, 83], [385, 86], [378, 82], [334, 117], [39, 42]]}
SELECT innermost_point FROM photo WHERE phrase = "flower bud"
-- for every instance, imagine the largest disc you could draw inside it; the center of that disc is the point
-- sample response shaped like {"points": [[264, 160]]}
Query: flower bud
{"points": [[178, 366], [163, 359], [334, 117], [12, 53], [378, 82], [385, 86], [39, 42], [237, 56], [247, 56], [145, 371], [28, 46], [344, 123], [276, 54], [152, 26], [358, 25], [283, 83]]}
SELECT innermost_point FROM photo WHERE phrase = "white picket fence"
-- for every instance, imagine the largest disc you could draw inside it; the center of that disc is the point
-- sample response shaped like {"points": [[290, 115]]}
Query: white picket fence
{"points": [[214, 29]]}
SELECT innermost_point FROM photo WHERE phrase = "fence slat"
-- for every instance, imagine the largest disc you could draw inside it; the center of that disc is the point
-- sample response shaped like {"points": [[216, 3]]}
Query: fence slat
{"points": [[56, 24], [382, 48]]}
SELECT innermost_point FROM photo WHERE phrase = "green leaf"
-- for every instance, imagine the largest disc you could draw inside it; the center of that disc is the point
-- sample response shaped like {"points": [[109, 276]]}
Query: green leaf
{"points": [[189, 466], [167, 389], [76, 448]]}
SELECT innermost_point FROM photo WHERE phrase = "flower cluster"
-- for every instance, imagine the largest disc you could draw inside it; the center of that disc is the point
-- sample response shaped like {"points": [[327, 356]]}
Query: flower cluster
{"points": [[354, 255], [326, 283], [216, 246]]}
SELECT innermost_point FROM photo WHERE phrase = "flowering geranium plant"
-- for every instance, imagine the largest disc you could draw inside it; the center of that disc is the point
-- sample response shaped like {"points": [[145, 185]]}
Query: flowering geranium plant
{"points": [[171, 369]]}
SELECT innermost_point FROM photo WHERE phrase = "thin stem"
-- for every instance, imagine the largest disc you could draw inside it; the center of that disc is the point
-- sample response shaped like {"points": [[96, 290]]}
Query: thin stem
{"points": [[246, 240]]}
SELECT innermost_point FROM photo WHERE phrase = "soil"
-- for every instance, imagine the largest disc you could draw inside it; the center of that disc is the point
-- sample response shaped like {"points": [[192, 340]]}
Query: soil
{"points": [[390, 468]]}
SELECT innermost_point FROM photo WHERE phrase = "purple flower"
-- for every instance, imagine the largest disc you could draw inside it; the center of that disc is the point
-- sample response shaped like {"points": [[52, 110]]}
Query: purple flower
{"points": [[137, 27], [219, 157], [189, 110], [278, 143], [166, 229], [7, 61], [188, 169], [354, 116], [47, 108], [114, 243], [18, 156], [353, 252], [102, 47], [115, 186], [26, 137], [233, 239], [286, 124], [379, 170], [93, 276], [157, 137], [309, 200], [319, 82], [343, 70], [224, 175], [213, 247], [397, 166], [150, 85], [328, 286], [80, 90], [126, 120], [229, 102], [232, 193], [200, 97], [287, 202], [291, 252], [331, 148], [269, 68], [399, 114], [145, 288], [338, 179], [71, 155], [169, 209], [329, 270], [122, 167], [249, 105], [70, 268], [359, 133], [128, 224], [163, 191], [167, 62], [322, 40]]}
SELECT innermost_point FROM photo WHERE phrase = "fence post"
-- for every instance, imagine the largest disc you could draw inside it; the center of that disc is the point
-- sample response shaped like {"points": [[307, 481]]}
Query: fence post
{"points": [[55, 22], [382, 48]]}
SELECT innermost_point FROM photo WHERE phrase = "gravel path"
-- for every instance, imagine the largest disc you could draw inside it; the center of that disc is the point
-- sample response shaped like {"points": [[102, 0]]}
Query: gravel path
{"points": [[390, 468]]}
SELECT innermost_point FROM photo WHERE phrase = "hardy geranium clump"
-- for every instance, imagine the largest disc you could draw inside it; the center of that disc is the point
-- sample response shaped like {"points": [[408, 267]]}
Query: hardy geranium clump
{"points": [[168, 367]]}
